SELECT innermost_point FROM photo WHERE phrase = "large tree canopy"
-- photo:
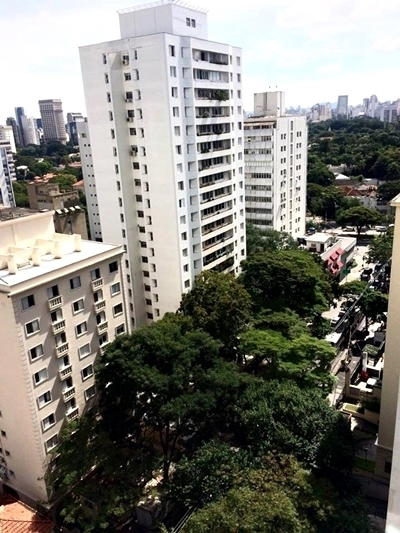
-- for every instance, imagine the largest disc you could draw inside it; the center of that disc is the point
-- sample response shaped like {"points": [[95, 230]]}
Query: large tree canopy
{"points": [[381, 248], [359, 217], [287, 279], [259, 240]]}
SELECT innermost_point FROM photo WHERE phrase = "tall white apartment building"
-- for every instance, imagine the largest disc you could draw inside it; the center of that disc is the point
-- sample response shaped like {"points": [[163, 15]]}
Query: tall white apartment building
{"points": [[7, 135], [275, 152], [29, 129], [89, 181], [53, 122], [7, 175], [269, 103], [62, 302], [165, 116]]}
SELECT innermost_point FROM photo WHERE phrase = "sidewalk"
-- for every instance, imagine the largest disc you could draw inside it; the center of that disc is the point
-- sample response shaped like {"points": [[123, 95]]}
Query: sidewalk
{"points": [[356, 271]]}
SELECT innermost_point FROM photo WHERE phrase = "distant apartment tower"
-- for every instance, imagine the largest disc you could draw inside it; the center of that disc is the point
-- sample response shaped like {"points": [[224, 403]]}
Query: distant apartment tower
{"points": [[269, 103], [275, 157], [165, 118], [19, 112], [72, 119], [53, 123], [89, 180], [7, 135], [10, 121], [342, 110], [373, 105], [68, 218], [7, 175], [62, 302], [29, 130]]}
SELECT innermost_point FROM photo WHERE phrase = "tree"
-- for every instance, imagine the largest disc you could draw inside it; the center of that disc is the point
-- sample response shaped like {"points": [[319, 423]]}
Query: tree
{"points": [[263, 346], [269, 239], [287, 279], [388, 190], [65, 181], [287, 322], [163, 383], [353, 288], [381, 248], [372, 304], [318, 172], [20, 193], [219, 305], [359, 217]]}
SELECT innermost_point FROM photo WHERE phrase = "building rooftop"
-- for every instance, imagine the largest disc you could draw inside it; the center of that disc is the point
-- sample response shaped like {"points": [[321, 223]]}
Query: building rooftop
{"points": [[16, 517], [319, 237], [161, 3], [12, 213], [263, 119]]}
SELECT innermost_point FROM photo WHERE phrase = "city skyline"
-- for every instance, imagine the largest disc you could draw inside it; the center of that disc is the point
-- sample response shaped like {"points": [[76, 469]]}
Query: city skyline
{"points": [[313, 54]]}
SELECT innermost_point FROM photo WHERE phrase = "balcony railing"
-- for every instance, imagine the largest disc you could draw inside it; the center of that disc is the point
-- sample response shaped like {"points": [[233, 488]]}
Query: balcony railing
{"points": [[101, 328], [217, 197], [64, 373], [99, 306], [62, 349], [68, 394], [58, 327], [55, 302], [73, 414], [96, 283]]}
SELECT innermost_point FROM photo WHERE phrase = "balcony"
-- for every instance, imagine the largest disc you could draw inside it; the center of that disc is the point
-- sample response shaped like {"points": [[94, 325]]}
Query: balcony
{"points": [[64, 373], [216, 197], [73, 414], [68, 394], [58, 327], [62, 349], [97, 283], [99, 306], [55, 303], [103, 347], [101, 328]]}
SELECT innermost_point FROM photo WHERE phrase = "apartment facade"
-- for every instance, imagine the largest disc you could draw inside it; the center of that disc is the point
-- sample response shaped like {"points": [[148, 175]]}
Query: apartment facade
{"points": [[52, 115], [62, 302], [165, 118], [10, 121], [7, 175], [342, 110], [72, 119], [29, 129], [276, 173], [7, 135]]}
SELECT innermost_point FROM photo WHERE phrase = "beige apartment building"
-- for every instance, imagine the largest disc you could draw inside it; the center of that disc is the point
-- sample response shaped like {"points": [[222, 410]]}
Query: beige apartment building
{"points": [[61, 303]]}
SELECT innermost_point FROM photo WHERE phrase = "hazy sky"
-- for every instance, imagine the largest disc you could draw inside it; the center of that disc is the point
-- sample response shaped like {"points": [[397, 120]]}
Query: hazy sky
{"points": [[312, 49]]}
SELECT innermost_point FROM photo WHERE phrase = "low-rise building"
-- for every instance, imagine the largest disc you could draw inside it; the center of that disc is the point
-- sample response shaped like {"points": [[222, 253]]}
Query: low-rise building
{"points": [[62, 301], [69, 217], [336, 252]]}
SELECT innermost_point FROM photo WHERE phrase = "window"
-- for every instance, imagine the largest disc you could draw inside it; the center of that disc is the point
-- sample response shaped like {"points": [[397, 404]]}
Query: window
{"points": [[174, 92], [184, 236], [135, 166], [171, 50], [108, 97], [172, 72], [32, 327], [115, 289], [95, 274], [36, 352], [113, 267], [120, 329], [84, 351], [177, 130], [181, 202], [239, 78], [388, 467], [48, 422], [110, 115], [127, 76], [238, 61], [81, 329], [116, 168], [193, 23], [87, 372], [175, 111], [188, 22], [74, 283], [78, 306], [112, 134], [27, 302], [90, 392], [187, 284], [118, 309], [44, 399], [104, 59], [52, 292], [106, 78], [40, 376], [186, 268], [51, 443]]}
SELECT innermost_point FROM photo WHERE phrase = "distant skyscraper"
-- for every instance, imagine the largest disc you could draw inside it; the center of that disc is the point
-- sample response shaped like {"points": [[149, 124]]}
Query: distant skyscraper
{"points": [[19, 112], [29, 130], [342, 106], [53, 120], [13, 123], [71, 126], [373, 105]]}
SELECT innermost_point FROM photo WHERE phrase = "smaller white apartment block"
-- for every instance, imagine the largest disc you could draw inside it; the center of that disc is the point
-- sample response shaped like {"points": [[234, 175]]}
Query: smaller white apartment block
{"points": [[165, 116], [89, 181], [7, 175], [275, 152], [62, 302], [7, 135]]}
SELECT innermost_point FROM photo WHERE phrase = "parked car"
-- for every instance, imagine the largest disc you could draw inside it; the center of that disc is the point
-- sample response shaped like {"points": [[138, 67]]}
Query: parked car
{"points": [[334, 321]]}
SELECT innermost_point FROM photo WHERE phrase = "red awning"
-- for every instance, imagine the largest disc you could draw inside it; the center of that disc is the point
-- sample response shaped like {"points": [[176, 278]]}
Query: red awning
{"points": [[339, 251], [339, 264]]}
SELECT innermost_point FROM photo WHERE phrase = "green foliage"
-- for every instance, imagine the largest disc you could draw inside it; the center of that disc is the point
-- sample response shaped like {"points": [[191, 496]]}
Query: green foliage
{"points": [[359, 217], [258, 240], [219, 305], [20, 193], [353, 288], [327, 201], [387, 191], [373, 304], [287, 279], [317, 171], [381, 248], [288, 323], [65, 181]]}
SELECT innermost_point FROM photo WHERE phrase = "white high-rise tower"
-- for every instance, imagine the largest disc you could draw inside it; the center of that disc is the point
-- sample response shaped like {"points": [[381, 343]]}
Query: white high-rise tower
{"points": [[165, 118]]}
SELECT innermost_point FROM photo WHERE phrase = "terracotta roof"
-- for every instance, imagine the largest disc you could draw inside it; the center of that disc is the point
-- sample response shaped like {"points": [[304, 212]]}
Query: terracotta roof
{"points": [[16, 517], [78, 184]]}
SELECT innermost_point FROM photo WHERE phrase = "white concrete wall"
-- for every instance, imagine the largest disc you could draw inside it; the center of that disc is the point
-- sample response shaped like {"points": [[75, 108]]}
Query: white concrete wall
{"points": [[7, 134]]}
